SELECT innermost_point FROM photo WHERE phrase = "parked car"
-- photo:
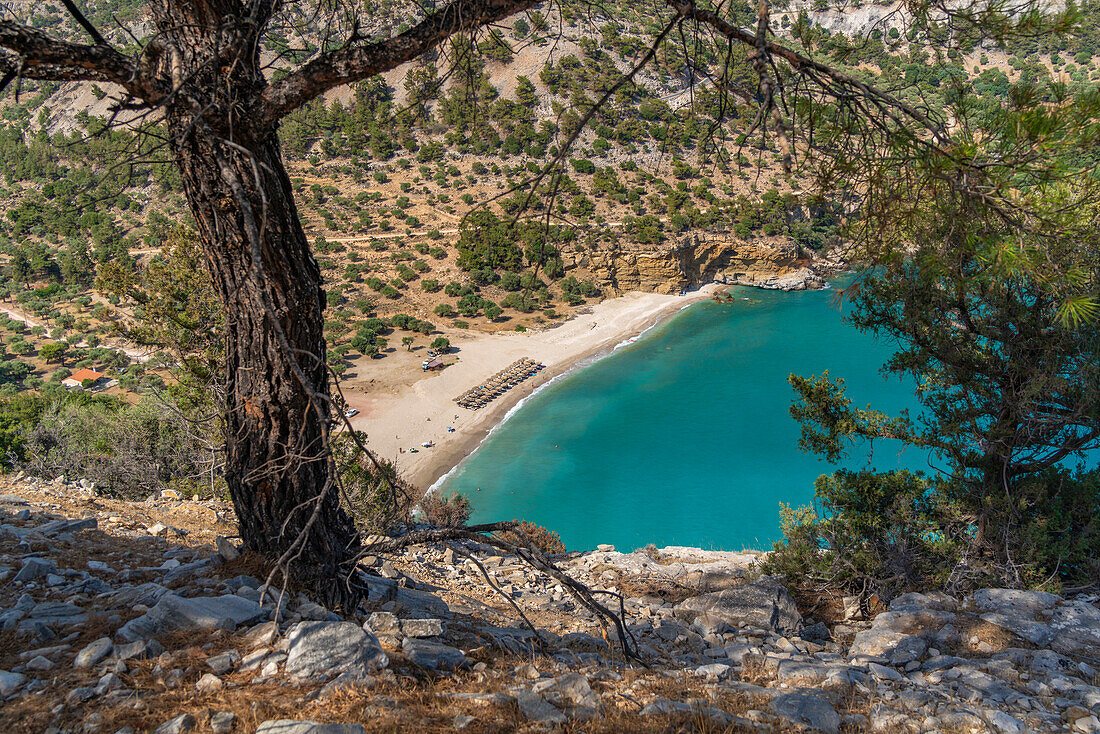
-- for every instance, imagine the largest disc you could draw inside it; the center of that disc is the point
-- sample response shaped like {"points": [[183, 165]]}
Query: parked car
{"points": [[351, 413]]}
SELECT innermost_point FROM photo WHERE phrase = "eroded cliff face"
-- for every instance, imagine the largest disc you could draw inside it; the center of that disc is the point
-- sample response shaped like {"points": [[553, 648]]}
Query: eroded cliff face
{"points": [[699, 258]]}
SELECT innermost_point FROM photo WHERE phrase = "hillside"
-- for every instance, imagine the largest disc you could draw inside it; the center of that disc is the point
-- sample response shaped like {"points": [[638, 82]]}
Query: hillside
{"points": [[384, 192], [651, 195]]}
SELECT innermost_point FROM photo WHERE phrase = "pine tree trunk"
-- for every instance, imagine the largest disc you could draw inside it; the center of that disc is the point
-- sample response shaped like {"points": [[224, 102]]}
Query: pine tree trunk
{"points": [[278, 466]]}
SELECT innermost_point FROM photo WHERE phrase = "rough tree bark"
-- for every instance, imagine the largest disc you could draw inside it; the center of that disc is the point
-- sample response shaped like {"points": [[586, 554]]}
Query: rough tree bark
{"points": [[202, 70], [278, 468]]}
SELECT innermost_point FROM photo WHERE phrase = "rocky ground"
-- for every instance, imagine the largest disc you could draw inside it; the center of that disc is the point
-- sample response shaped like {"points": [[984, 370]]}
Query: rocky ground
{"points": [[120, 617]]}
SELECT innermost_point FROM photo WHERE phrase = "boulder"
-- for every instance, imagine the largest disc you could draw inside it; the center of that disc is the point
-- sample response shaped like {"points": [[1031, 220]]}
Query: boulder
{"points": [[11, 682], [222, 722], [79, 695], [34, 568], [663, 706], [314, 611], [1077, 628], [1087, 725], [882, 672], [51, 613], [536, 709], [325, 649], [422, 627], [1036, 633], [188, 569], [919, 622], [887, 646], [262, 634], [70, 525], [1012, 602], [934, 600], [138, 650], [410, 602], [1006, 724], [384, 623], [801, 672], [209, 683], [567, 691], [108, 682], [206, 612], [179, 725], [148, 594], [763, 603], [225, 662], [717, 671], [432, 655], [40, 663], [810, 712], [817, 632], [286, 726], [93, 652]]}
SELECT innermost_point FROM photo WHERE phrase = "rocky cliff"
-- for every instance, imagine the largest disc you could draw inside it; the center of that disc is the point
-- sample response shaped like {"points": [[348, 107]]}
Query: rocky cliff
{"points": [[699, 258]]}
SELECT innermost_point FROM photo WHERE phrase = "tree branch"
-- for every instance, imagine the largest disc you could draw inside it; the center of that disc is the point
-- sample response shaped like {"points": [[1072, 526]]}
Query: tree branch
{"points": [[31, 54], [806, 66], [350, 64]]}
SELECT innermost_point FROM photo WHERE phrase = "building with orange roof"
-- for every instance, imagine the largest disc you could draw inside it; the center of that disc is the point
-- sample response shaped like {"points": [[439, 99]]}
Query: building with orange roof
{"points": [[77, 378]]}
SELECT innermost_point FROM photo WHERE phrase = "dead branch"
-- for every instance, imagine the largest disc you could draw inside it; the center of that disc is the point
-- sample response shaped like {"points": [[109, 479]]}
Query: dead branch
{"points": [[533, 557]]}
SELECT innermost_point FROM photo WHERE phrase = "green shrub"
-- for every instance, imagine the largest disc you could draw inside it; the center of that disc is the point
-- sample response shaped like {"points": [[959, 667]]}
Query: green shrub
{"points": [[882, 531], [452, 510], [897, 531], [545, 540], [128, 450], [375, 497]]}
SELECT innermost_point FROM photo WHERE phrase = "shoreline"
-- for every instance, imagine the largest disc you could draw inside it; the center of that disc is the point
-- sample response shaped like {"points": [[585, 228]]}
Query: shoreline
{"points": [[420, 410]]}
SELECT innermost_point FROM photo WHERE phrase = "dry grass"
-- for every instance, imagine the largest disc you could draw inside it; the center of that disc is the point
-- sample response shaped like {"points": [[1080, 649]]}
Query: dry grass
{"points": [[404, 702], [406, 698], [250, 564], [11, 645], [824, 606], [201, 522], [754, 671], [665, 589], [1000, 639]]}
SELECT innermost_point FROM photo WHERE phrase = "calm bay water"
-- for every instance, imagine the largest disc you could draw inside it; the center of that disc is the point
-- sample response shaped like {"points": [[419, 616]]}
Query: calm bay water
{"points": [[683, 437]]}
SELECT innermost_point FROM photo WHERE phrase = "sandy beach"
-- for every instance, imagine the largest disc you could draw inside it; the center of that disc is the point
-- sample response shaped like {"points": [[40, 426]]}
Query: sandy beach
{"points": [[401, 407]]}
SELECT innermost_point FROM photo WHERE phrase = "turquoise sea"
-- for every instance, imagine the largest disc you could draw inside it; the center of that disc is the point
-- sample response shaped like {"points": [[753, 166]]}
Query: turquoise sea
{"points": [[683, 437]]}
